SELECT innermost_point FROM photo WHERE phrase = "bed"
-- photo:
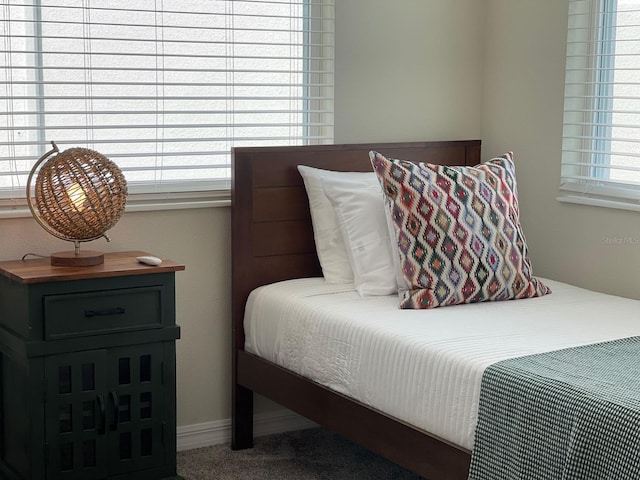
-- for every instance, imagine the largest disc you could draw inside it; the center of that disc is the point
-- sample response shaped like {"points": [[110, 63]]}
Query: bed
{"points": [[273, 251]]}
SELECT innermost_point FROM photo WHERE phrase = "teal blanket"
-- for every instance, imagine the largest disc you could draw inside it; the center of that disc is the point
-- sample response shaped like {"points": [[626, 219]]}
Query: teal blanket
{"points": [[571, 414]]}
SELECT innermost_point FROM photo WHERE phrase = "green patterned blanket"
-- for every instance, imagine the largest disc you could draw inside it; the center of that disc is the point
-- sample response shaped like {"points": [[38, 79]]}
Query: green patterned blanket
{"points": [[572, 414]]}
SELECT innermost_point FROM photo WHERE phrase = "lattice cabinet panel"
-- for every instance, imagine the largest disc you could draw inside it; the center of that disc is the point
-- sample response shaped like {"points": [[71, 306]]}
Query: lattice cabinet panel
{"points": [[75, 412], [136, 392]]}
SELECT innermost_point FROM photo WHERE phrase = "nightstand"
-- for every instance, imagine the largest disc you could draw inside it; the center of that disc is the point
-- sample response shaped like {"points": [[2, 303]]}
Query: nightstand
{"points": [[87, 376]]}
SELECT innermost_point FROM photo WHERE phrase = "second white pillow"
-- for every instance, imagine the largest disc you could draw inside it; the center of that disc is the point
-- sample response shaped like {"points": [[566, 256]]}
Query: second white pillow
{"points": [[360, 210]]}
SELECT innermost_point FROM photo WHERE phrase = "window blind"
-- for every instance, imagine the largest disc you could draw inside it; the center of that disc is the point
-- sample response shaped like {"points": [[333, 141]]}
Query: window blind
{"points": [[601, 135], [164, 88]]}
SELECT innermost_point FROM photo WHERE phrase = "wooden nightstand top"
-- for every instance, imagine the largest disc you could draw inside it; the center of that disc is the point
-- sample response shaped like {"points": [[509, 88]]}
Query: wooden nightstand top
{"points": [[117, 264]]}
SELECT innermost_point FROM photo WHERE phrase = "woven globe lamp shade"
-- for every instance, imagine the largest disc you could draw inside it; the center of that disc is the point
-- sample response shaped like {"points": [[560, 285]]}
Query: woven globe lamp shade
{"points": [[78, 195]]}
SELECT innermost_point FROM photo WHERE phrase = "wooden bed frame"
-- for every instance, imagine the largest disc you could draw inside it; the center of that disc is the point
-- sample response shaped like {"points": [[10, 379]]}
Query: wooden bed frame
{"points": [[272, 240]]}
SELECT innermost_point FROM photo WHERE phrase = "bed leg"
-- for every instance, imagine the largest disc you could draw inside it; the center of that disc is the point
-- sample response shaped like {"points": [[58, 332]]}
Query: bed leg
{"points": [[242, 418]]}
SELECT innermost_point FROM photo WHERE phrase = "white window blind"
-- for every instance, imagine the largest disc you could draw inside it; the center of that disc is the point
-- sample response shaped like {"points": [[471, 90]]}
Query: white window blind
{"points": [[601, 136], [164, 88]]}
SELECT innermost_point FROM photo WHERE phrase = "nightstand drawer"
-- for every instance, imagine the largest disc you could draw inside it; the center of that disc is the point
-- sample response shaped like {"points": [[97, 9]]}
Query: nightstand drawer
{"points": [[107, 311]]}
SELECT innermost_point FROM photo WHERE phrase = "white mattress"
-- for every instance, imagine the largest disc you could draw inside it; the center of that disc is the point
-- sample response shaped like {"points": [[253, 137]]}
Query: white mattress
{"points": [[421, 366]]}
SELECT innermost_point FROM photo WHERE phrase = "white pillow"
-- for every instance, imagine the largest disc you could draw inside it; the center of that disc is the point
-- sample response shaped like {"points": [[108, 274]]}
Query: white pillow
{"points": [[403, 286], [359, 207], [330, 246]]}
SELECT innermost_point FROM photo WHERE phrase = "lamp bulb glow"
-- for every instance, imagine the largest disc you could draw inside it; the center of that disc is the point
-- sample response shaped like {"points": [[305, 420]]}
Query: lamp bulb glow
{"points": [[76, 196]]}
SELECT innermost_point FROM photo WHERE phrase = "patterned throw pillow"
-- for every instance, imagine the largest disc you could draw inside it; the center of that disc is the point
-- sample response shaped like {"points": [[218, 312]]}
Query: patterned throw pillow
{"points": [[458, 232]]}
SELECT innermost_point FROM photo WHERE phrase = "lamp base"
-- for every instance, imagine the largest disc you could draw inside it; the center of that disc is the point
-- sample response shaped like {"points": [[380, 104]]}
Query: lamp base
{"points": [[85, 258]]}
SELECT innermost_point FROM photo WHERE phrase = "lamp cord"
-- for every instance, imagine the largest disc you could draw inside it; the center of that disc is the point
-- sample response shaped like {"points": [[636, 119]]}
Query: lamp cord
{"points": [[31, 254]]}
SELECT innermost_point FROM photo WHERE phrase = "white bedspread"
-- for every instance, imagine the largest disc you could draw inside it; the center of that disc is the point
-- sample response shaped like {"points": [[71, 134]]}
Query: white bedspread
{"points": [[421, 366]]}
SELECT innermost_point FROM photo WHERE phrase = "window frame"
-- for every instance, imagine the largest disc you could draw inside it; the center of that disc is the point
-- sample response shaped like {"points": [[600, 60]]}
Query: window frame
{"points": [[588, 121], [213, 193]]}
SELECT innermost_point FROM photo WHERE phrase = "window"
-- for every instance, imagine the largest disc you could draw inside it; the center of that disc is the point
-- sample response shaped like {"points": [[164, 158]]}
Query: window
{"points": [[164, 88], [601, 137]]}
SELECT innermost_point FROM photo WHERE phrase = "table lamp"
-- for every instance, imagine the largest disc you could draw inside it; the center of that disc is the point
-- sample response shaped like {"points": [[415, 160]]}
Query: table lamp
{"points": [[78, 195]]}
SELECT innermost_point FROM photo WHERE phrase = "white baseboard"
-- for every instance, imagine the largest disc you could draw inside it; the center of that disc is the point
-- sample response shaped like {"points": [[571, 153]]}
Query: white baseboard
{"points": [[219, 431]]}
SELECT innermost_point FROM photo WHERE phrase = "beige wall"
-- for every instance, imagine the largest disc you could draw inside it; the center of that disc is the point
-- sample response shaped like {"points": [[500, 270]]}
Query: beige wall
{"points": [[408, 70], [524, 54], [434, 69]]}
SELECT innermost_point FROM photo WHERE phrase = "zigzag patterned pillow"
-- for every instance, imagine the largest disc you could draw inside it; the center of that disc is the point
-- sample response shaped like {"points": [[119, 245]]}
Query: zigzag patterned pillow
{"points": [[458, 232]]}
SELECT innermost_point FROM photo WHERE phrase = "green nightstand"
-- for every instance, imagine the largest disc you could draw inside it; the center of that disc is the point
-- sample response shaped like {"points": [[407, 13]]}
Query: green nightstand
{"points": [[88, 370]]}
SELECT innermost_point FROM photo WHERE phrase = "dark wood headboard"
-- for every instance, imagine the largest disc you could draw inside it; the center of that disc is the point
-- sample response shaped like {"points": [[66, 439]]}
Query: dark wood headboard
{"points": [[271, 232]]}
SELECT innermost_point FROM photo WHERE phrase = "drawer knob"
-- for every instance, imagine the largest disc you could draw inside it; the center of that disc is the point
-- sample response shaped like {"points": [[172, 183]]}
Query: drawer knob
{"points": [[104, 313]]}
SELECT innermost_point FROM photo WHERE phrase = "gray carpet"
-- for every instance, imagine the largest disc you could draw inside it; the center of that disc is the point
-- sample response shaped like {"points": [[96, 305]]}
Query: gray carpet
{"points": [[313, 454]]}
